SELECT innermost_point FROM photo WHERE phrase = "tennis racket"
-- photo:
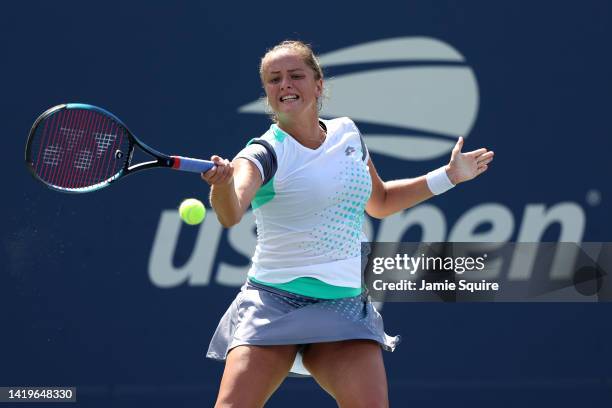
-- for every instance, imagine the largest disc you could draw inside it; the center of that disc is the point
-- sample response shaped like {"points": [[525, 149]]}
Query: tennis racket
{"points": [[79, 148]]}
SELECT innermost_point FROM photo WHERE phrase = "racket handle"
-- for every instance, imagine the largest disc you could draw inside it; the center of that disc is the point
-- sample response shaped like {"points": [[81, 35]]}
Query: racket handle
{"points": [[192, 165]]}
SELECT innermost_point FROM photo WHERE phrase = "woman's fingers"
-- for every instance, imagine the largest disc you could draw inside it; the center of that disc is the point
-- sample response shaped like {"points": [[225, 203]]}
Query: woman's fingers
{"points": [[221, 173], [477, 153], [485, 158], [457, 149]]}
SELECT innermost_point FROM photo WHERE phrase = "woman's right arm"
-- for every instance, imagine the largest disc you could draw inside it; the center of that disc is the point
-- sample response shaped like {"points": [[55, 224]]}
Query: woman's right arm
{"points": [[233, 186]]}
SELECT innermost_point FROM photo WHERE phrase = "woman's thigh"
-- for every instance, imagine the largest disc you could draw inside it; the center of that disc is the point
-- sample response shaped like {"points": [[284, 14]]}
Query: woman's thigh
{"points": [[253, 373], [352, 371]]}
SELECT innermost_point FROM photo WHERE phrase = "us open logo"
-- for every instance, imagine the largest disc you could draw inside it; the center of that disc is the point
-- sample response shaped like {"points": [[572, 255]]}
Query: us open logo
{"points": [[411, 96]]}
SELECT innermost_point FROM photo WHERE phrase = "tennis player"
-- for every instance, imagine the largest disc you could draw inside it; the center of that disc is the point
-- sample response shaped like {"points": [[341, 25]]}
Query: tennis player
{"points": [[309, 181]]}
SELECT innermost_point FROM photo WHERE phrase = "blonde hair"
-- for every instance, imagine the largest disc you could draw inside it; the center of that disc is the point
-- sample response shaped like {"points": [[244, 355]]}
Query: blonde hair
{"points": [[304, 50]]}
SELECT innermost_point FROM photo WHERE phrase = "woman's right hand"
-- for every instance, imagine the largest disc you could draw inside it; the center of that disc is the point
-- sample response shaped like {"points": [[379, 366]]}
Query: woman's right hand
{"points": [[233, 186], [221, 174]]}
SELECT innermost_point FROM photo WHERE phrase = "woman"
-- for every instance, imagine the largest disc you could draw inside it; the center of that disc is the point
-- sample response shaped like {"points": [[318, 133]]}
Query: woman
{"points": [[309, 182]]}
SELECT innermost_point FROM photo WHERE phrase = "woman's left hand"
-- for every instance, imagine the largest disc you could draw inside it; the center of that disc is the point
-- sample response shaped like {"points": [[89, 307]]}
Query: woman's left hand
{"points": [[465, 166]]}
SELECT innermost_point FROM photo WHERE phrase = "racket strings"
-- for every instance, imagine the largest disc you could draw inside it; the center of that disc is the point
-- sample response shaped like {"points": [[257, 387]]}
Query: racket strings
{"points": [[77, 148]]}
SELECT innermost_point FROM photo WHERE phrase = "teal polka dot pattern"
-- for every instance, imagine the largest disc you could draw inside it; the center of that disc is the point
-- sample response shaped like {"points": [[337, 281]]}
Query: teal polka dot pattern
{"points": [[338, 234]]}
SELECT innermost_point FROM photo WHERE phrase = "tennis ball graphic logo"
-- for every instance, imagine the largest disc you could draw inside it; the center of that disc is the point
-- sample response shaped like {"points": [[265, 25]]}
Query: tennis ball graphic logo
{"points": [[415, 94]]}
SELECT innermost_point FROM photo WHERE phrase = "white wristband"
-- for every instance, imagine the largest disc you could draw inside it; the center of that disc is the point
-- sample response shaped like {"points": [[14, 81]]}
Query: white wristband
{"points": [[438, 181]]}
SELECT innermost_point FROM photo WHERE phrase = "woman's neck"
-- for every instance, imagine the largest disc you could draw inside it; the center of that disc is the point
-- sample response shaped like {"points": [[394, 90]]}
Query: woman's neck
{"points": [[306, 131]]}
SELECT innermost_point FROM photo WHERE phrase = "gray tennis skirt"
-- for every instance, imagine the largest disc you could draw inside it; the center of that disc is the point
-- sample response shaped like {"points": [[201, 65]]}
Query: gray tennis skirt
{"points": [[264, 316]]}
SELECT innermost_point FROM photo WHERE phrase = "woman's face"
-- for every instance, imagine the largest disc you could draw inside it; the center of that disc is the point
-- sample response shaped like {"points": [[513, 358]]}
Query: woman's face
{"points": [[290, 84]]}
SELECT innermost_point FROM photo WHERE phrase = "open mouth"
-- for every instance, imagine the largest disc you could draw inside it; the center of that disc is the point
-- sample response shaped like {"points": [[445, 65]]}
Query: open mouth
{"points": [[289, 98]]}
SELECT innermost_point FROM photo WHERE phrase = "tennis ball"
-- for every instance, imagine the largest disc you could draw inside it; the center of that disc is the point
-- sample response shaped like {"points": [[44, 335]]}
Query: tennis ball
{"points": [[192, 211]]}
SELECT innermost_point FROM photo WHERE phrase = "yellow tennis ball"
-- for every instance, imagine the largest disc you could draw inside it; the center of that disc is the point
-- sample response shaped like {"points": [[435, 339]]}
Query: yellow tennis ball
{"points": [[192, 211]]}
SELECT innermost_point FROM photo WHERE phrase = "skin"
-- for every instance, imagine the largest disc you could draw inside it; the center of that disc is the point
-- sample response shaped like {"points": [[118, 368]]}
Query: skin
{"points": [[253, 373]]}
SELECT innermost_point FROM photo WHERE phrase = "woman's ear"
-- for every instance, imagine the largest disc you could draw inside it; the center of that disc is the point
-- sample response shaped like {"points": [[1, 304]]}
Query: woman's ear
{"points": [[319, 88]]}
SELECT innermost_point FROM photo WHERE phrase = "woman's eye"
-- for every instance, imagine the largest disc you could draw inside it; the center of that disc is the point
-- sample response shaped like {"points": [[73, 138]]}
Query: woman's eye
{"points": [[274, 80], [297, 76]]}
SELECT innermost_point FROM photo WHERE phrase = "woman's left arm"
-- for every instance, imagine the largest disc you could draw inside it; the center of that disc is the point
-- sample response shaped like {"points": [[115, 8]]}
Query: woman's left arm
{"points": [[392, 196]]}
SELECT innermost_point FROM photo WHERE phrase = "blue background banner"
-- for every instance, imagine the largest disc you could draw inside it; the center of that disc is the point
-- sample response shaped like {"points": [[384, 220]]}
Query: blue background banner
{"points": [[110, 293]]}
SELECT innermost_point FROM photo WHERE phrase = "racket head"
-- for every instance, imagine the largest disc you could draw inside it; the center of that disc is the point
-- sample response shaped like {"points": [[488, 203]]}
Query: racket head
{"points": [[78, 148]]}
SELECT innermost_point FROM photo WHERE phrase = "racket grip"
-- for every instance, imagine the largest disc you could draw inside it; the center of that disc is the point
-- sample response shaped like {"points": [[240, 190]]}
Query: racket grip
{"points": [[192, 165]]}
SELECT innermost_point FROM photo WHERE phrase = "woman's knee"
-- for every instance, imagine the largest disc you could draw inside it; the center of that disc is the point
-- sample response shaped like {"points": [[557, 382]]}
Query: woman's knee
{"points": [[363, 398]]}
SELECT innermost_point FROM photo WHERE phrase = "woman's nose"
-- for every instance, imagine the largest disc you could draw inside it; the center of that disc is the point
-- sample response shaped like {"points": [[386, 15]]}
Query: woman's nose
{"points": [[285, 83]]}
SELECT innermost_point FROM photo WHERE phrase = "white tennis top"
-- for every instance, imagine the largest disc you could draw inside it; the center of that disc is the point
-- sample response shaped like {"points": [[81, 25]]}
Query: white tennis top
{"points": [[310, 210]]}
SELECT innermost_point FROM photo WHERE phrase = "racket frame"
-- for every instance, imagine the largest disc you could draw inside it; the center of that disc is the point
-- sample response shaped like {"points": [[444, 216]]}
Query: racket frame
{"points": [[161, 159]]}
